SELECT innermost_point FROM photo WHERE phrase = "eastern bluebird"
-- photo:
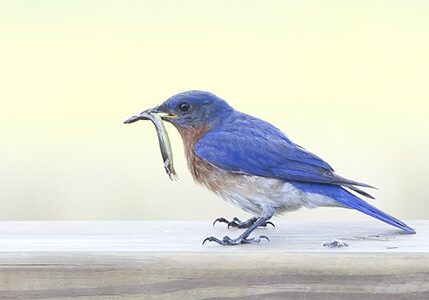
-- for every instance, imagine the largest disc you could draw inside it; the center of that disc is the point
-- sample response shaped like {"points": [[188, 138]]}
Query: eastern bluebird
{"points": [[255, 166]]}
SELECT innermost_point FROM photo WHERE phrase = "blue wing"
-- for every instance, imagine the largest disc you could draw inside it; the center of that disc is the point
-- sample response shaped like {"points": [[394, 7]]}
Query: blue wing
{"points": [[248, 145]]}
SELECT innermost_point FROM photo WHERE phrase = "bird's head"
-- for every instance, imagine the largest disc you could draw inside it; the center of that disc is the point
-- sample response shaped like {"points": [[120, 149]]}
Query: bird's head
{"points": [[191, 109]]}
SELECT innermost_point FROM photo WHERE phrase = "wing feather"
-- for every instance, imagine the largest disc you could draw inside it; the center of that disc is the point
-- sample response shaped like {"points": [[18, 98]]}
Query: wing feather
{"points": [[248, 145]]}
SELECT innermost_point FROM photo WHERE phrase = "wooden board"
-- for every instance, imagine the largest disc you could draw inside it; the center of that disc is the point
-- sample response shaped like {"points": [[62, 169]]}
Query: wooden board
{"points": [[153, 260]]}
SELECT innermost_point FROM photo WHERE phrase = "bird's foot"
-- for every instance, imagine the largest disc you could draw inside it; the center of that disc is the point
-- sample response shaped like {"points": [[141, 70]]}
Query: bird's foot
{"points": [[241, 224], [227, 241]]}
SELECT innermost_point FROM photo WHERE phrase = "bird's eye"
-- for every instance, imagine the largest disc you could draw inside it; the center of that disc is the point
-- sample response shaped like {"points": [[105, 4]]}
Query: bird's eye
{"points": [[184, 107]]}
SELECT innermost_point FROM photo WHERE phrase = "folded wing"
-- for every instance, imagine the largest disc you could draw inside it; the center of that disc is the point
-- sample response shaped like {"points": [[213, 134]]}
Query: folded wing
{"points": [[251, 146]]}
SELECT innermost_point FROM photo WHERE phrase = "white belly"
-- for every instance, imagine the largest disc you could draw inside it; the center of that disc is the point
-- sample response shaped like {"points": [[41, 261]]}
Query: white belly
{"points": [[253, 192]]}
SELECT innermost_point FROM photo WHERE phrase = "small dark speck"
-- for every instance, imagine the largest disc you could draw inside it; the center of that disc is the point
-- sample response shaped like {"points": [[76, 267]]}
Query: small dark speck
{"points": [[335, 244]]}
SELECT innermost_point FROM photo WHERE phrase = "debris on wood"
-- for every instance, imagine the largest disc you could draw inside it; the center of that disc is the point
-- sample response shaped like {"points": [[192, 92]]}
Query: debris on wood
{"points": [[335, 244]]}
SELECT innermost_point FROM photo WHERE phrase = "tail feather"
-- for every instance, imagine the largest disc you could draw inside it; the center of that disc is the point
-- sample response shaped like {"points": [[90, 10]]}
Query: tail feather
{"points": [[357, 190], [353, 201], [350, 200], [348, 182]]}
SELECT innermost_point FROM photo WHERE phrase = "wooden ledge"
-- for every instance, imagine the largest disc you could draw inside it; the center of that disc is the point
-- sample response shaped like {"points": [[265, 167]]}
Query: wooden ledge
{"points": [[136, 259]]}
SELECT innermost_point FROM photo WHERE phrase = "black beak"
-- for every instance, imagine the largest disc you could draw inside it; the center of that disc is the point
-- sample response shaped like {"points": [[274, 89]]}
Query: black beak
{"points": [[141, 116]]}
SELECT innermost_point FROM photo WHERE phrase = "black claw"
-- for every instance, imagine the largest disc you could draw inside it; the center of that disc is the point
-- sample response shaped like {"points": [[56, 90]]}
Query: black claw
{"points": [[264, 237], [221, 219], [212, 239], [233, 224], [270, 224]]}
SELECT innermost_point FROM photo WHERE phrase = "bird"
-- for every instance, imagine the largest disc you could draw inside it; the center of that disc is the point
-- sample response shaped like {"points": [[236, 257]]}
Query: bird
{"points": [[254, 165]]}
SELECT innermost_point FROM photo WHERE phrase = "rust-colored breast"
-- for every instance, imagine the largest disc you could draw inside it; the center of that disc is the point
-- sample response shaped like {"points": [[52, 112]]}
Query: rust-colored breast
{"points": [[201, 171]]}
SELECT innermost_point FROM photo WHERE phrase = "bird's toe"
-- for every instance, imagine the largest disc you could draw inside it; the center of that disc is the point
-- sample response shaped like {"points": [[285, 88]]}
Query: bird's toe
{"points": [[221, 220], [227, 241]]}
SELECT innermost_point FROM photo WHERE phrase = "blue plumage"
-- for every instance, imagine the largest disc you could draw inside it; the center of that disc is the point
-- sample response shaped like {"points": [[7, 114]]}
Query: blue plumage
{"points": [[248, 145], [252, 164], [352, 201], [242, 143]]}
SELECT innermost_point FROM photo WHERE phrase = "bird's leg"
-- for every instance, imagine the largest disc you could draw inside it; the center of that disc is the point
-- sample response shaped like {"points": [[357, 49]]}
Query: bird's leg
{"points": [[244, 237], [241, 224]]}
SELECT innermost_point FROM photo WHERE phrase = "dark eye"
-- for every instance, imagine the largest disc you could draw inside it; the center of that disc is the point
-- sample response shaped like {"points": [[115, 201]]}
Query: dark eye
{"points": [[184, 107]]}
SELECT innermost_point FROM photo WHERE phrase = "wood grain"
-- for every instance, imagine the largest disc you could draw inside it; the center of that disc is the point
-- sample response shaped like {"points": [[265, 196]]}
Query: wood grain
{"points": [[165, 260]]}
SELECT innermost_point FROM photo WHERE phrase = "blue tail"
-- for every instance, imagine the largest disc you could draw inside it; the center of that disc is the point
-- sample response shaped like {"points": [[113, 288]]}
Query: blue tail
{"points": [[350, 200]]}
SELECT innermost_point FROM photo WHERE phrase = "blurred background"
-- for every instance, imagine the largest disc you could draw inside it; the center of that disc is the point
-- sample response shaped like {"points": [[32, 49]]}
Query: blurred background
{"points": [[348, 80]]}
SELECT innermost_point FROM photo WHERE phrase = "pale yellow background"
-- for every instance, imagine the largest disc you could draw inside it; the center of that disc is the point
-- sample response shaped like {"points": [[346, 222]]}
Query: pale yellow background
{"points": [[348, 80]]}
